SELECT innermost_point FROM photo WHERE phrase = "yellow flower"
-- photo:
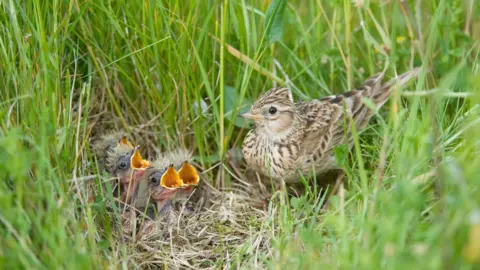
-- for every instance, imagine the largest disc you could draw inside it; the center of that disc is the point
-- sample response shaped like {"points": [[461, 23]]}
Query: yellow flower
{"points": [[471, 251], [401, 39]]}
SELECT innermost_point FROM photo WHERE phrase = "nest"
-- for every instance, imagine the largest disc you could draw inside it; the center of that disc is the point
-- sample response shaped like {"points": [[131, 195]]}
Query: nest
{"points": [[222, 230]]}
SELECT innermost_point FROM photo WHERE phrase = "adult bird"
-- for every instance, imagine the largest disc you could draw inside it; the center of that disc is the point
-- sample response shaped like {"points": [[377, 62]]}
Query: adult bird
{"points": [[291, 137]]}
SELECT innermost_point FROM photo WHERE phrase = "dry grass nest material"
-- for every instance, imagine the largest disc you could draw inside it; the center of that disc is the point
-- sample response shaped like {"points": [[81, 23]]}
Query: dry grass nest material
{"points": [[212, 236]]}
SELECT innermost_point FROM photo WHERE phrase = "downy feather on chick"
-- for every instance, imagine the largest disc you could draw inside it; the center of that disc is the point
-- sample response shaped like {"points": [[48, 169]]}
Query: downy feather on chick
{"points": [[163, 179], [121, 160]]}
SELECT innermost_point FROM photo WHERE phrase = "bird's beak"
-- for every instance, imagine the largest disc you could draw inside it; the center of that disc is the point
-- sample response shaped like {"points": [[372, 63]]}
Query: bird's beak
{"points": [[171, 179], [188, 174], [250, 115], [137, 162]]}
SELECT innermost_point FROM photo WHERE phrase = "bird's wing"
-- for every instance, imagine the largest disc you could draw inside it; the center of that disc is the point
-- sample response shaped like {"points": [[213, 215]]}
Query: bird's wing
{"points": [[327, 118], [322, 119]]}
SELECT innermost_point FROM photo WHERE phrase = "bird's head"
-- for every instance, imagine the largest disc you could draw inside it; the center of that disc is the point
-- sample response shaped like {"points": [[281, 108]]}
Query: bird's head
{"points": [[126, 164], [273, 113], [170, 174], [130, 178], [163, 184], [119, 160]]}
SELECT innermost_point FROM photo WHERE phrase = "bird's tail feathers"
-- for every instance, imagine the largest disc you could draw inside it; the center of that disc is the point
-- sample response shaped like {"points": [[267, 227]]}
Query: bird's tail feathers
{"points": [[383, 93]]}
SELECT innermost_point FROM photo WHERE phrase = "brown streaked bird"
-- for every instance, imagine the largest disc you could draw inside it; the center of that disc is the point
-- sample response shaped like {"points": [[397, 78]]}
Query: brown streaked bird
{"points": [[165, 182], [291, 137]]}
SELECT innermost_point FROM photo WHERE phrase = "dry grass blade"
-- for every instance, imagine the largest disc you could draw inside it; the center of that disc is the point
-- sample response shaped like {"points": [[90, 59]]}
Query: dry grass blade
{"points": [[250, 62]]}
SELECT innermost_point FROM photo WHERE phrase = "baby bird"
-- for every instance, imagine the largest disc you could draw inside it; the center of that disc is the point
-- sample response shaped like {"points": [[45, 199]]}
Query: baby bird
{"points": [[138, 166], [121, 160], [112, 146], [291, 137], [165, 182]]}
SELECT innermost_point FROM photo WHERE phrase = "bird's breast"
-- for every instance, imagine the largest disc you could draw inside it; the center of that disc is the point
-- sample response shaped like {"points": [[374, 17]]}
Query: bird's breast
{"points": [[277, 159]]}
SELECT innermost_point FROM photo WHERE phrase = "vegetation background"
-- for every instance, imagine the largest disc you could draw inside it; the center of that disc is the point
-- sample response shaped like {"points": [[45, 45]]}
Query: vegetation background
{"points": [[177, 73]]}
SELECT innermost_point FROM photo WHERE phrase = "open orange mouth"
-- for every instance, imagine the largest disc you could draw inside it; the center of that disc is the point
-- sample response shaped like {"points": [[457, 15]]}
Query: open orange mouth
{"points": [[188, 174], [124, 141], [171, 179], [137, 162]]}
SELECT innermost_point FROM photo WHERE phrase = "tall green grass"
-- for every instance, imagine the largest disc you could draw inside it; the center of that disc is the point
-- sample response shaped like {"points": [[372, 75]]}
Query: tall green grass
{"points": [[150, 65]]}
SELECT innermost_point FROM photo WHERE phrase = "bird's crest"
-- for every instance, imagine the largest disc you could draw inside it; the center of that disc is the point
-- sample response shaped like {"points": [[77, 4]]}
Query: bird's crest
{"points": [[281, 95]]}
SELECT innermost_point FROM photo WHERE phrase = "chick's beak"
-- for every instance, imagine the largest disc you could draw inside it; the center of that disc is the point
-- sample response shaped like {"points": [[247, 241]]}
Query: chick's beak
{"points": [[170, 179], [137, 162], [188, 174], [250, 115], [164, 197]]}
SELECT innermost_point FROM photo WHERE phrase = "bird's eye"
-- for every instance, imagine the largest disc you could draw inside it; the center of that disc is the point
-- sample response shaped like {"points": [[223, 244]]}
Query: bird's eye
{"points": [[272, 110], [122, 165], [154, 180]]}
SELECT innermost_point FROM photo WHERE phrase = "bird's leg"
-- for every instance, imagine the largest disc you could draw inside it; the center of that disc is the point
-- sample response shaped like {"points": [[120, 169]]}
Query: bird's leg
{"points": [[236, 170]]}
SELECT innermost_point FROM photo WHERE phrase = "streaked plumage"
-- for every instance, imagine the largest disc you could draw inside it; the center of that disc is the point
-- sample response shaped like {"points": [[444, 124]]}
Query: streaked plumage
{"points": [[289, 137]]}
